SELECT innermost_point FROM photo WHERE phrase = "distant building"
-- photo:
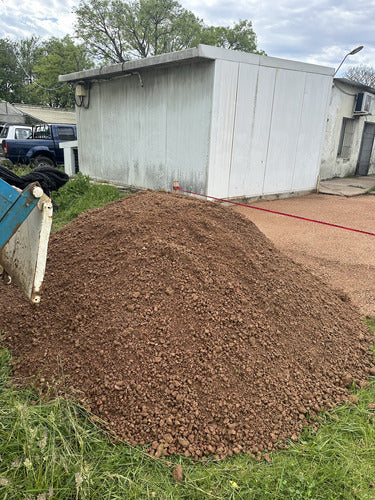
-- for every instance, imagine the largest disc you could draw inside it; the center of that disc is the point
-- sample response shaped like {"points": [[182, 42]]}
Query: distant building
{"points": [[26, 113], [221, 122], [349, 143], [10, 114]]}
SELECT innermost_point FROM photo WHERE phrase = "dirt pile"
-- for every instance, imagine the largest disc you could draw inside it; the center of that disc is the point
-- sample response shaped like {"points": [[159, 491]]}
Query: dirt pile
{"points": [[183, 327]]}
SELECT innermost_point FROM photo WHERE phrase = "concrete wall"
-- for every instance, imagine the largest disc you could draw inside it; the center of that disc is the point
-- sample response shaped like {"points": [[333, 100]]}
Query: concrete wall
{"points": [[268, 127], [149, 136], [341, 106]]}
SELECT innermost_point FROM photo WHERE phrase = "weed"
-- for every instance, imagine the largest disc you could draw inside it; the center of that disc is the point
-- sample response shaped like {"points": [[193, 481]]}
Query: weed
{"points": [[79, 195], [18, 169], [6, 163]]}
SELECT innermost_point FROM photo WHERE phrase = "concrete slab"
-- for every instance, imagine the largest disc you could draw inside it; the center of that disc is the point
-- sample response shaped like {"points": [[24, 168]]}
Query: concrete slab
{"points": [[347, 186]]}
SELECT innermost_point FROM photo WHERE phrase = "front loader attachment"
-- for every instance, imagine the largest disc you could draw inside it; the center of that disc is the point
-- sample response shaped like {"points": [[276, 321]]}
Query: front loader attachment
{"points": [[25, 225]]}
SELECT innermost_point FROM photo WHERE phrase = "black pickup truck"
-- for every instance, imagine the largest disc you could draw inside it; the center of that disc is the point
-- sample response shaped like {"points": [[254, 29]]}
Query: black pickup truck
{"points": [[42, 148]]}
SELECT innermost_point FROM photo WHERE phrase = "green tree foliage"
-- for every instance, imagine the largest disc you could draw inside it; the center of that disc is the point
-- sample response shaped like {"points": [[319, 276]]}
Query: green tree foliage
{"points": [[29, 70], [119, 30], [28, 53], [362, 74], [116, 31], [11, 78], [239, 37], [58, 57]]}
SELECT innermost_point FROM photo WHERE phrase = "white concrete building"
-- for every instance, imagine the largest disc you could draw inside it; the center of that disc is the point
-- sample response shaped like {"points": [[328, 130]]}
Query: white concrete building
{"points": [[348, 147], [223, 123]]}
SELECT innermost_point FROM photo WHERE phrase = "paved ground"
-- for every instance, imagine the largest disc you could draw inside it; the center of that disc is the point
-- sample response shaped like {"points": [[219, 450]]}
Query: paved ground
{"points": [[348, 186], [344, 259]]}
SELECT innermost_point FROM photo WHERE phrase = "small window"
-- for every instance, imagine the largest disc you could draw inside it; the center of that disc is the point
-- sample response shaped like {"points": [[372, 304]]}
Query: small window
{"points": [[346, 138], [22, 133], [4, 132], [66, 133], [42, 132]]}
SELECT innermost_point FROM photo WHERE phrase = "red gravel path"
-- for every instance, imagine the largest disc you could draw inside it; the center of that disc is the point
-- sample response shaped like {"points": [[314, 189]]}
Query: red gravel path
{"points": [[343, 259]]}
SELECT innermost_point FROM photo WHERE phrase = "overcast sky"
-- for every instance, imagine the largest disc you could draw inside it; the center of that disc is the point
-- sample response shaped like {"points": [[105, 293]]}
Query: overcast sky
{"points": [[315, 31]]}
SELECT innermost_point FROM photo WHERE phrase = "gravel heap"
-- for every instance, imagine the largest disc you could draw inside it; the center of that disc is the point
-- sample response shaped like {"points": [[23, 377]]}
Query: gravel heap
{"points": [[180, 324]]}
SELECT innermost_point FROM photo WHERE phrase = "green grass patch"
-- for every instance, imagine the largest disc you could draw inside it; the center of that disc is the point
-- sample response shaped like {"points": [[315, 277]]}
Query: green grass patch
{"points": [[18, 169], [79, 195], [370, 322]]}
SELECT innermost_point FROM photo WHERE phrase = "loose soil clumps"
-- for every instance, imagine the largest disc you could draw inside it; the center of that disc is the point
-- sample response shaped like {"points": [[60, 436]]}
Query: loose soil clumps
{"points": [[181, 325]]}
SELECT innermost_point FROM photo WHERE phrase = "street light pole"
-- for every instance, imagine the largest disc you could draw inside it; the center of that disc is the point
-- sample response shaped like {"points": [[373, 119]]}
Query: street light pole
{"points": [[354, 51]]}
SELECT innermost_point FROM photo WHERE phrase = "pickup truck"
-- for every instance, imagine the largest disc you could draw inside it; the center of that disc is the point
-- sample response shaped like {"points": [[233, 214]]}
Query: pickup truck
{"points": [[15, 131], [42, 148]]}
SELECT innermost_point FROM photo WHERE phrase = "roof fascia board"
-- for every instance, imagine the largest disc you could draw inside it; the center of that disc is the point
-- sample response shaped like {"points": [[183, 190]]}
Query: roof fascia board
{"points": [[275, 62], [261, 60], [113, 70]]}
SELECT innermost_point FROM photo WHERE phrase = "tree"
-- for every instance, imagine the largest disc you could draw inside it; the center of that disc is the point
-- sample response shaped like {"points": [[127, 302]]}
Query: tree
{"points": [[58, 56], [119, 30], [11, 78], [362, 74], [28, 52], [240, 37]]}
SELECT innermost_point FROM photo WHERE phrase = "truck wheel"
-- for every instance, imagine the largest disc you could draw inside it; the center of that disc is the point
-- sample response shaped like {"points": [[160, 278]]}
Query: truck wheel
{"points": [[38, 161]]}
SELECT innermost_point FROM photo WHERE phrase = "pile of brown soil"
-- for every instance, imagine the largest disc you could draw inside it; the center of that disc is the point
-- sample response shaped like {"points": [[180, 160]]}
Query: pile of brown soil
{"points": [[182, 326]]}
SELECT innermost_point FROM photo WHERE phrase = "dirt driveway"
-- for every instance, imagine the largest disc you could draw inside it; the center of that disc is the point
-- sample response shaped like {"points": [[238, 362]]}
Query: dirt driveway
{"points": [[344, 259]]}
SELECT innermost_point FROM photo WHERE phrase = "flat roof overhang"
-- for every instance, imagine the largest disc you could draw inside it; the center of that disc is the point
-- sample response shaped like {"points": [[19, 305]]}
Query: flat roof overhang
{"points": [[197, 54]]}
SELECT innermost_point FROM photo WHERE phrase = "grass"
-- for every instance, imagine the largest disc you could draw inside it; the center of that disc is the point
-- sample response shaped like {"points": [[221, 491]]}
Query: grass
{"points": [[54, 449], [77, 196]]}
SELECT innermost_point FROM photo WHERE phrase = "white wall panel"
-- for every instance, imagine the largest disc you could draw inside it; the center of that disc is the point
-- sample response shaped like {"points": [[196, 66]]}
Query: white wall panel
{"points": [[312, 130], [222, 127], [150, 136], [188, 127], [285, 126], [252, 127], [267, 130]]}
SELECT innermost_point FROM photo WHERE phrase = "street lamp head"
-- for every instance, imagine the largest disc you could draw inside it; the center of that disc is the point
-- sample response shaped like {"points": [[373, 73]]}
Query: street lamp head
{"points": [[357, 49], [354, 51]]}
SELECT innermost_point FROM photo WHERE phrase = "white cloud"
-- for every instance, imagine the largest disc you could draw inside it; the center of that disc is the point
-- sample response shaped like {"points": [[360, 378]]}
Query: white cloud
{"points": [[45, 18], [319, 31]]}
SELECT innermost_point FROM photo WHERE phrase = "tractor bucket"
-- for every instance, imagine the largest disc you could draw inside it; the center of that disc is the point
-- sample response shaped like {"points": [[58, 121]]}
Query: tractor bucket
{"points": [[25, 225]]}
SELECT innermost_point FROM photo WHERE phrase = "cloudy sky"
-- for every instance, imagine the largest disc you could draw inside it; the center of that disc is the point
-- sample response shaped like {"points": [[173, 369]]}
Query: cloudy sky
{"points": [[315, 31]]}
